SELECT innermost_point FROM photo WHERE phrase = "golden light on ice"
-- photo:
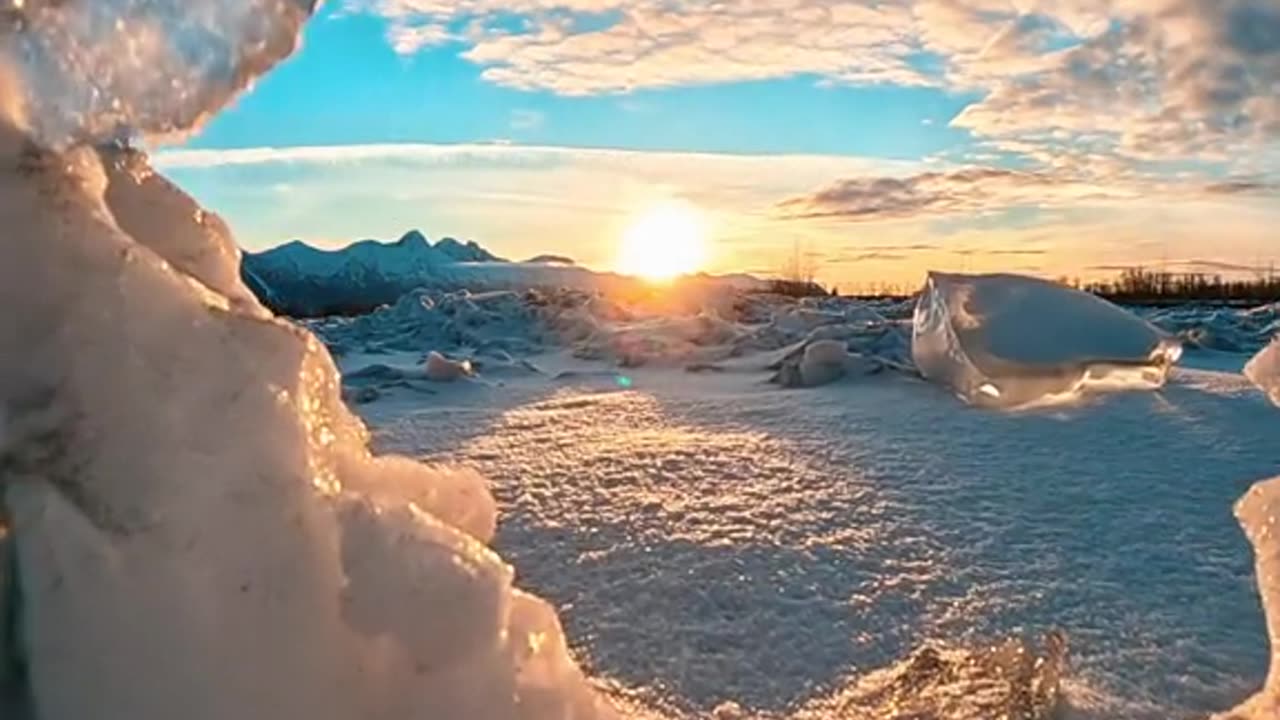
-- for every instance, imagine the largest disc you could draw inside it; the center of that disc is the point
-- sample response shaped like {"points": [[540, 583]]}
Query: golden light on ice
{"points": [[664, 242]]}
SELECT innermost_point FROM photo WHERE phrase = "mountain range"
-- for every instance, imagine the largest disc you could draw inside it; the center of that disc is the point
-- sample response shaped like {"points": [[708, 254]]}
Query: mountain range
{"points": [[300, 280]]}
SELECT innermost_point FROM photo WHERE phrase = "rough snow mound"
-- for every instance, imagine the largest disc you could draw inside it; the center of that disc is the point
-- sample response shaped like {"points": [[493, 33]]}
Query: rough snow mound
{"points": [[1013, 341], [104, 70], [161, 544], [493, 329], [1264, 370]]}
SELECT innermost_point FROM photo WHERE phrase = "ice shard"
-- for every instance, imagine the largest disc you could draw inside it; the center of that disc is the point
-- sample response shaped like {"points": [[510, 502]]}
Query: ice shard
{"points": [[1264, 370], [1012, 341]]}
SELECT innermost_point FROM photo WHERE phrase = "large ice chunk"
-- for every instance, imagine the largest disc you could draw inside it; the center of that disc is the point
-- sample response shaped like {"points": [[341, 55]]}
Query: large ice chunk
{"points": [[1264, 370], [1014, 341]]}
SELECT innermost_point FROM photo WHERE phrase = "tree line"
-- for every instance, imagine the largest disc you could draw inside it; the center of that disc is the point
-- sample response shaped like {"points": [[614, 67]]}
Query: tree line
{"points": [[1139, 285]]}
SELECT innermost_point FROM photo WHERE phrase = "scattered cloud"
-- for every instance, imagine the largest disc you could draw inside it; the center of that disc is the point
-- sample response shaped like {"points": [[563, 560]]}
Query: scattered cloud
{"points": [[1110, 81], [409, 39]]}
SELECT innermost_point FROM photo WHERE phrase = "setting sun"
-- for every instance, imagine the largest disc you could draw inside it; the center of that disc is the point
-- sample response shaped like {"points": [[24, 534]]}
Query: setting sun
{"points": [[664, 242]]}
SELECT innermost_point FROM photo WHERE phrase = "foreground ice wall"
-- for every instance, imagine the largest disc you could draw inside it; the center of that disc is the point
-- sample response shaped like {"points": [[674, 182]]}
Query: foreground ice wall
{"points": [[1259, 514], [187, 491], [195, 526], [1014, 341]]}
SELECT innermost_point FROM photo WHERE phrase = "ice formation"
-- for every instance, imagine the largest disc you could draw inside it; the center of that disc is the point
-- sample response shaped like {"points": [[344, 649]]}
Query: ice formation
{"points": [[195, 526], [442, 369], [1259, 514], [822, 361], [1217, 328], [159, 216], [1264, 370], [1013, 341], [105, 70]]}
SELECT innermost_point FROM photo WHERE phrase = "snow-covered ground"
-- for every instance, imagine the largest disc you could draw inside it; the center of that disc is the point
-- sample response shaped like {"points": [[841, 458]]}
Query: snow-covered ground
{"points": [[713, 539]]}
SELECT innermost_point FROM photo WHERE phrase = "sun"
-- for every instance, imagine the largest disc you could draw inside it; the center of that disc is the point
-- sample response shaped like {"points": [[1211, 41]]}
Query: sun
{"points": [[664, 242]]}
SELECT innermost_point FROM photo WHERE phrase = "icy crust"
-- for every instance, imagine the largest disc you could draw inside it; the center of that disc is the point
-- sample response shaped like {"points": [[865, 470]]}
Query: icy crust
{"points": [[187, 490], [495, 331], [1217, 328], [108, 69], [1014, 341], [1264, 370], [1259, 515]]}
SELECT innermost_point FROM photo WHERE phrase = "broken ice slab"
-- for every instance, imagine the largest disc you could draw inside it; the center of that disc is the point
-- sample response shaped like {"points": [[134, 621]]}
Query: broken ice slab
{"points": [[1012, 341], [1264, 370]]}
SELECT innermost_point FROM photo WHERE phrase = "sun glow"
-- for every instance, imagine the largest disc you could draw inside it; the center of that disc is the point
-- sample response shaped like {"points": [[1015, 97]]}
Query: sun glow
{"points": [[664, 242]]}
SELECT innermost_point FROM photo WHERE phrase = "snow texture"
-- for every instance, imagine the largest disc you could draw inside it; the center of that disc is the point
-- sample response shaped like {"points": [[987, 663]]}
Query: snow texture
{"points": [[1013, 341], [715, 542]]}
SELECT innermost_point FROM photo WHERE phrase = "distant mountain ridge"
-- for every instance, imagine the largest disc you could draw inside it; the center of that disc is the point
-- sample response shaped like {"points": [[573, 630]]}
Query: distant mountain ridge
{"points": [[300, 280]]}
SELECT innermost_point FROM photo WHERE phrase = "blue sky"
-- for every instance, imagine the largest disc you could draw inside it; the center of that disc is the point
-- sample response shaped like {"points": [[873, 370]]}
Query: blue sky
{"points": [[348, 85], [884, 137]]}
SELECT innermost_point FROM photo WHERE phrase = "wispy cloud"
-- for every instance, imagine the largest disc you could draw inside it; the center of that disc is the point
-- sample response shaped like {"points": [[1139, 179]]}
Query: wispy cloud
{"points": [[976, 191], [1194, 266], [968, 190]]}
